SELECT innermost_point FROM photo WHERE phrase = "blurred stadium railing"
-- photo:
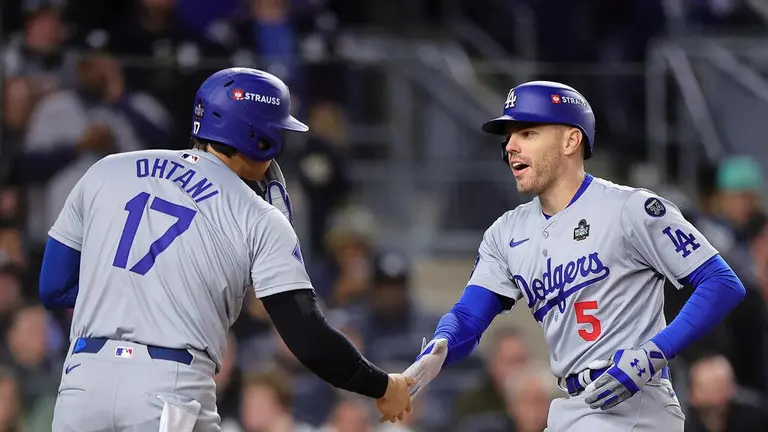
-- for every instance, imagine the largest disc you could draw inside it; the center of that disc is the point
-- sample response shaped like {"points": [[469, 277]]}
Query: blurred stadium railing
{"points": [[718, 98]]}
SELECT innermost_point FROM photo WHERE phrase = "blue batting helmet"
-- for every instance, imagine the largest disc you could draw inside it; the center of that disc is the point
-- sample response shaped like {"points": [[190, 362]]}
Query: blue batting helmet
{"points": [[246, 109], [546, 102]]}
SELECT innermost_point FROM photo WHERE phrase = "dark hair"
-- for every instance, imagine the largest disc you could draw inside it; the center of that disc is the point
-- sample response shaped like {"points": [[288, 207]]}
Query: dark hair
{"points": [[201, 144], [706, 179], [12, 270], [754, 226], [32, 10], [6, 223], [391, 268]]}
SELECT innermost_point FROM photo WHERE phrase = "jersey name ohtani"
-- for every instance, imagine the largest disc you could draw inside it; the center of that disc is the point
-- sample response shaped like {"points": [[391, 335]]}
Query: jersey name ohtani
{"points": [[169, 170], [587, 270]]}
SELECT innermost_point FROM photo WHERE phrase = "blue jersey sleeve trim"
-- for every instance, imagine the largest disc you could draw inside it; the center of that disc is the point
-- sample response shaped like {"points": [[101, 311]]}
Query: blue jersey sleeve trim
{"points": [[59, 275], [717, 291], [465, 323], [707, 268]]}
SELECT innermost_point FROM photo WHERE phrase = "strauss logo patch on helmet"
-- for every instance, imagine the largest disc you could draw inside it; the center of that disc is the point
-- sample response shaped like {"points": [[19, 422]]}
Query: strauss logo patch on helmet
{"points": [[558, 99], [240, 95]]}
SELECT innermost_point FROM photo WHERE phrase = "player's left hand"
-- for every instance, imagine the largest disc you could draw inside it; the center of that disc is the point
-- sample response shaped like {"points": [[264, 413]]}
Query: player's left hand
{"points": [[631, 370], [275, 191]]}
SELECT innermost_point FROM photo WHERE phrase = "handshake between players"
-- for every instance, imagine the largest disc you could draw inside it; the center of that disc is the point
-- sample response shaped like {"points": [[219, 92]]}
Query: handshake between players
{"points": [[415, 379], [396, 402]]}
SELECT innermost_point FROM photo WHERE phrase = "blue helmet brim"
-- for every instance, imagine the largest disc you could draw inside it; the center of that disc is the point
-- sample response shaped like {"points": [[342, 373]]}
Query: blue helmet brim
{"points": [[498, 126], [290, 123]]}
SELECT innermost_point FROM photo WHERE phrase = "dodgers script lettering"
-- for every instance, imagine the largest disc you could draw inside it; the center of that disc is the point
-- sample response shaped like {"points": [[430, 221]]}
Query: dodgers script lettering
{"points": [[561, 280]]}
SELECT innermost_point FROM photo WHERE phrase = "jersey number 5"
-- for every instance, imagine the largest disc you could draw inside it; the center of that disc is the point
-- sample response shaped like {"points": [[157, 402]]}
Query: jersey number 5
{"points": [[584, 318], [135, 208]]}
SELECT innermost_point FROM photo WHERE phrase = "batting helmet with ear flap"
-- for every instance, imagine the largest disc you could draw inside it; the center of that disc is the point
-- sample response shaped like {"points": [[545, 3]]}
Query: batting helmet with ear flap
{"points": [[246, 109], [546, 102]]}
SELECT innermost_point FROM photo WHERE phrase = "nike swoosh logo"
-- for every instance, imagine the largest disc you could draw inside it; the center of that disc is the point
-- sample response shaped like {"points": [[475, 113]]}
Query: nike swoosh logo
{"points": [[69, 368], [513, 243]]}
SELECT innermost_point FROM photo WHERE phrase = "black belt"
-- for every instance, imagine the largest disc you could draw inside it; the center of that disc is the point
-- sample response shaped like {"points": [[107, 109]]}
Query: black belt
{"points": [[94, 345]]}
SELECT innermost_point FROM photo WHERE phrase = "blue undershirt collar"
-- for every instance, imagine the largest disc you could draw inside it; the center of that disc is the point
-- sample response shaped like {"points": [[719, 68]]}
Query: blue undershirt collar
{"points": [[584, 185]]}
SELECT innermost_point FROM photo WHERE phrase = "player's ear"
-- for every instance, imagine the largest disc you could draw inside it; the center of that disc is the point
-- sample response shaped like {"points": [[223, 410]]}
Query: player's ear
{"points": [[572, 140]]}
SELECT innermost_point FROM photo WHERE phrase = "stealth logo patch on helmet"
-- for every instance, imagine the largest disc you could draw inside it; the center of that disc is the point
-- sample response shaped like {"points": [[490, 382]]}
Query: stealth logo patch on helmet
{"points": [[199, 109]]}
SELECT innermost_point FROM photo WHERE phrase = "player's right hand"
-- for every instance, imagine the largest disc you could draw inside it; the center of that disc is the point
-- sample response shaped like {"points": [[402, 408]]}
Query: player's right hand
{"points": [[428, 364], [396, 401], [275, 191]]}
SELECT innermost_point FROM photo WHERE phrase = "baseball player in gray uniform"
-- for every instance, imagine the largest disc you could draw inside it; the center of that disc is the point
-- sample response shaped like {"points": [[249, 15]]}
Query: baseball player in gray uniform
{"points": [[589, 259], [155, 250]]}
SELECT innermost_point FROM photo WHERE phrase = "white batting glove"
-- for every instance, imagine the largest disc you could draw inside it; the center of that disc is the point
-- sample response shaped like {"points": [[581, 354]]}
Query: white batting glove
{"points": [[427, 365], [631, 370], [275, 173], [275, 192]]}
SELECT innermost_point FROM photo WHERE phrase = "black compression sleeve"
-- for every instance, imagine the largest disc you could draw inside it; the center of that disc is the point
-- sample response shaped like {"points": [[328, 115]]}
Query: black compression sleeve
{"points": [[321, 348]]}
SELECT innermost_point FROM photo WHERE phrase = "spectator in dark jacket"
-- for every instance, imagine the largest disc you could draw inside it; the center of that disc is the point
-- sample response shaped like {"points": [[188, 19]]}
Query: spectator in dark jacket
{"points": [[322, 167], [716, 405], [393, 324], [508, 358], [102, 114], [39, 52]]}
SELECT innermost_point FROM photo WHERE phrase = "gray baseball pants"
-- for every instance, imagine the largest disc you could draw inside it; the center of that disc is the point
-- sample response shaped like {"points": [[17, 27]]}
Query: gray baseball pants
{"points": [[654, 408], [109, 385]]}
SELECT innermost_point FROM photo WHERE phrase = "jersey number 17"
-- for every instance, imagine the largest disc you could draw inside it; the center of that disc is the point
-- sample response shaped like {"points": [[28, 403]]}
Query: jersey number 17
{"points": [[135, 208]]}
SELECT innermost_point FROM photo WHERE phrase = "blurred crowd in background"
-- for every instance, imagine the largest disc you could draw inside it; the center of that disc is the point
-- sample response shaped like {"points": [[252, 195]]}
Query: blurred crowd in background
{"points": [[86, 78]]}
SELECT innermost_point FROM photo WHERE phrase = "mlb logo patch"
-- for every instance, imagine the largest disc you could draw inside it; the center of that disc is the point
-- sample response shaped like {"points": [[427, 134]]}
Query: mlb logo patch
{"points": [[124, 352], [189, 157]]}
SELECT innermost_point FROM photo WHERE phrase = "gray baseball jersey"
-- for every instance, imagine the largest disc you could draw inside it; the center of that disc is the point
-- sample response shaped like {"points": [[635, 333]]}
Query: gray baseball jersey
{"points": [[170, 241], [593, 274]]}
